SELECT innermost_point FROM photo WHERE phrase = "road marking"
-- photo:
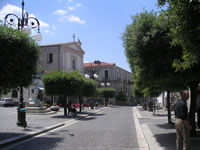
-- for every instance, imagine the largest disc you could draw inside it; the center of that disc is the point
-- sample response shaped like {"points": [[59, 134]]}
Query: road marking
{"points": [[143, 145]]}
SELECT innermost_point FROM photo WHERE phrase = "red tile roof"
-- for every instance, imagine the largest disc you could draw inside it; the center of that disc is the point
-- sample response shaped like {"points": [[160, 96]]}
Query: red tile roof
{"points": [[98, 64]]}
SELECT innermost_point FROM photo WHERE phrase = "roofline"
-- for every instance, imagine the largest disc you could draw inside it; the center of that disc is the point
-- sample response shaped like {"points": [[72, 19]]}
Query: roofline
{"points": [[114, 64], [62, 44], [56, 44]]}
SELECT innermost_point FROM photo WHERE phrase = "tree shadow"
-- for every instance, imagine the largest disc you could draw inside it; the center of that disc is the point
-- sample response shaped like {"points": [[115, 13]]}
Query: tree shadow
{"points": [[97, 115], [87, 119], [165, 126], [166, 140], [7, 135], [39, 143], [61, 116]]}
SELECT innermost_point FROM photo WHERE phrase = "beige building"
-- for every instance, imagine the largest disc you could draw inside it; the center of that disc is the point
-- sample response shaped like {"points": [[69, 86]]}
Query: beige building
{"points": [[110, 75], [53, 57], [61, 57]]}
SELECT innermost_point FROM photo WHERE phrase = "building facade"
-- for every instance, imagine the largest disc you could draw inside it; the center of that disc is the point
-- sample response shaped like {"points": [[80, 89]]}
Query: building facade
{"points": [[53, 57], [110, 75], [61, 57]]}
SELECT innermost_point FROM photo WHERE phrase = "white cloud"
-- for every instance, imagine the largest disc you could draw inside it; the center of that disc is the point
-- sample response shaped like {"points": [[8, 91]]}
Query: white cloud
{"points": [[76, 19], [17, 11], [70, 8], [78, 5], [60, 12], [9, 9]]}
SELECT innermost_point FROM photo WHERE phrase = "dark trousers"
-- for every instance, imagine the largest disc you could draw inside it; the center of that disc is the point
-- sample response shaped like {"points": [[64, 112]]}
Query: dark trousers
{"points": [[198, 117]]}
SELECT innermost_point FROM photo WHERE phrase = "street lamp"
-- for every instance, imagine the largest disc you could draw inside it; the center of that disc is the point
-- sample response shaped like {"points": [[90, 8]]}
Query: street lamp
{"points": [[24, 24], [94, 76]]}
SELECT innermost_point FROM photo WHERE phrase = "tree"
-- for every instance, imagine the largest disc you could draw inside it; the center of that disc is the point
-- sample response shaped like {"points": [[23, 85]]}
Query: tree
{"points": [[18, 59], [89, 89], [185, 31], [67, 84], [149, 51], [106, 93], [122, 97]]}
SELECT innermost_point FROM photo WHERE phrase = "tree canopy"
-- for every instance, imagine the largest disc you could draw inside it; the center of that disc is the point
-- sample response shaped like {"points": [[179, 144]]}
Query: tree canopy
{"points": [[185, 29], [68, 84], [149, 51], [106, 92], [18, 59]]}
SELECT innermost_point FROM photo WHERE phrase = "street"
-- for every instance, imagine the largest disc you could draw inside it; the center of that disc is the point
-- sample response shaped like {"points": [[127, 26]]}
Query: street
{"points": [[111, 129]]}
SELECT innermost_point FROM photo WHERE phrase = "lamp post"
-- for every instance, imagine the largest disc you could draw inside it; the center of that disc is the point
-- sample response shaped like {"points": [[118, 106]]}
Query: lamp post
{"points": [[93, 76], [24, 24]]}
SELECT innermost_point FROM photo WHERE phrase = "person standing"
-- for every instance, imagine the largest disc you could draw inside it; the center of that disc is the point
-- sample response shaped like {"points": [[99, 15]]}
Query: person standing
{"points": [[198, 108], [182, 125]]}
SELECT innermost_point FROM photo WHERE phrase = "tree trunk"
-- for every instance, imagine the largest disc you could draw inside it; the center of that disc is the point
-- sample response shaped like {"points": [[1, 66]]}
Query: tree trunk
{"points": [[65, 106], [169, 107], [80, 102], [163, 99], [193, 91], [154, 106], [106, 101]]}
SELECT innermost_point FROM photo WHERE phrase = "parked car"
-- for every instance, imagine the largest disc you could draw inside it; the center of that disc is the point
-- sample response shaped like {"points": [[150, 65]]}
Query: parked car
{"points": [[6, 102]]}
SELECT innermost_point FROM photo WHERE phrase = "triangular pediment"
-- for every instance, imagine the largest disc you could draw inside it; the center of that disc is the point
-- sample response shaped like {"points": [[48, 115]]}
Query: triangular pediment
{"points": [[74, 46]]}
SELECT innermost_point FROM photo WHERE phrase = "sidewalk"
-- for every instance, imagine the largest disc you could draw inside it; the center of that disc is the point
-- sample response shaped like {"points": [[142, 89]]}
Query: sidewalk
{"points": [[158, 133], [38, 124]]}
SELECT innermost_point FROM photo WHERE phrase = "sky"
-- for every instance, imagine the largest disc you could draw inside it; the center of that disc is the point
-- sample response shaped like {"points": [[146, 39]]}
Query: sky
{"points": [[98, 24]]}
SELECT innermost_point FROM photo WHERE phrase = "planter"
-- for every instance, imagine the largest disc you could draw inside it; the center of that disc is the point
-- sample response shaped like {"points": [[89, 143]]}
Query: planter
{"points": [[54, 108]]}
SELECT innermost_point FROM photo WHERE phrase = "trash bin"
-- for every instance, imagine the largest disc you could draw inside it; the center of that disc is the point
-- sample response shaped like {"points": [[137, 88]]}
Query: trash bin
{"points": [[21, 112]]}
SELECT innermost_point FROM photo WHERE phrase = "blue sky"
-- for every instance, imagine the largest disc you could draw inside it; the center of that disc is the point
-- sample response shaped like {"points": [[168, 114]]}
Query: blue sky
{"points": [[98, 24]]}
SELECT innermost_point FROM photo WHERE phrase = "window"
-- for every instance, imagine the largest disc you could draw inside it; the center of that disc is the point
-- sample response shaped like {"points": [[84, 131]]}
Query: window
{"points": [[106, 74], [50, 58], [73, 64]]}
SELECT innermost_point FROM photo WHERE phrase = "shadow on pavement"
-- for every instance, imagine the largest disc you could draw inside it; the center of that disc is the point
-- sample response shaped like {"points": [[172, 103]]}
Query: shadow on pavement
{"points": [[97, 114], [170, 143], [7, 135], [40, 143], [88, 119], [165, 126]]}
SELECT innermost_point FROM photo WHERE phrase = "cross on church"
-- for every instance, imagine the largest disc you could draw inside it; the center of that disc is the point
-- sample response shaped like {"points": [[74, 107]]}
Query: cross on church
{"points": [[74, 37]]}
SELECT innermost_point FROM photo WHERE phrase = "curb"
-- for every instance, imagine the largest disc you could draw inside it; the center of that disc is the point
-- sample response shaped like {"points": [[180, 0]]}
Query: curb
{"points": [[29, 135], [32, 134]]}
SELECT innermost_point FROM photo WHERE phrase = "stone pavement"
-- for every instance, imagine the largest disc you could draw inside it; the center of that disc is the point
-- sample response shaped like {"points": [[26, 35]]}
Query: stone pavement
{"points": [[37, 124], [158, 133]]}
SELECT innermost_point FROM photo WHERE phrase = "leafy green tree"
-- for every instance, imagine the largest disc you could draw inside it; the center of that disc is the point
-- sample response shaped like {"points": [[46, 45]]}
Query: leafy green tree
{"points": [[89, 89], [185, 30], [149, 51], [18, 59], [122, 96], [68, 84], [4, 91], [106, 93]]}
